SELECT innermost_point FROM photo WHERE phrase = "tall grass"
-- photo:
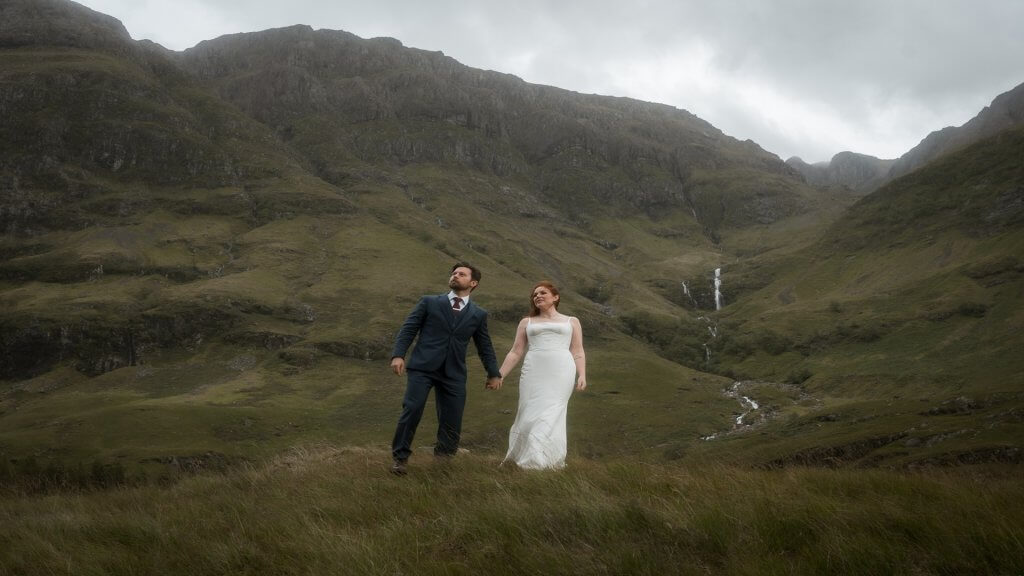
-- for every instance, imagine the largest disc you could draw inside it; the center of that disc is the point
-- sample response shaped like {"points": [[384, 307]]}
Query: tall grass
{"points": [[329, 510]]}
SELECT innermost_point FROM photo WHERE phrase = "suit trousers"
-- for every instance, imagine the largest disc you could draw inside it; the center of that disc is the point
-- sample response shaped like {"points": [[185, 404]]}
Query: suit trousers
{"points": [[450, 401]]}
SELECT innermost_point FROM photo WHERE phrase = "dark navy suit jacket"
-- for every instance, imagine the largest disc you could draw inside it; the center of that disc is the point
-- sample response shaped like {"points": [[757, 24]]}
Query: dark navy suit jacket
{"points": [[444, 337]]}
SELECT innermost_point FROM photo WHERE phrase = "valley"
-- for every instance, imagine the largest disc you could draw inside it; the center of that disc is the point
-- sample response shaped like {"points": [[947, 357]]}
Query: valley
{"points": [[206, 256]]}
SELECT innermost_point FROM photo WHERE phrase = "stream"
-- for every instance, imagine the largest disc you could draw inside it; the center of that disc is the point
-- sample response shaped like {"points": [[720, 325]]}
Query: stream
{"points": [[747, 405]]}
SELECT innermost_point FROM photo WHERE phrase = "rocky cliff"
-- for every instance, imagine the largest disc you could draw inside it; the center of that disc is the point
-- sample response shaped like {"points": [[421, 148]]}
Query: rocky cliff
{"points": [[858, 173], [337, 97]]}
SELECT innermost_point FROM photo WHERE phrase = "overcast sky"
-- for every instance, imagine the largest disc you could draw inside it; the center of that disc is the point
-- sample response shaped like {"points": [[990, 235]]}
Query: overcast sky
{"points": [[805, 78]]}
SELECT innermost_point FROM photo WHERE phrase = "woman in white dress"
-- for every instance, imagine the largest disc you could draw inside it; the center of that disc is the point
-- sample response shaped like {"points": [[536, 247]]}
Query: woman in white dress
{"points": [[554, 364]]}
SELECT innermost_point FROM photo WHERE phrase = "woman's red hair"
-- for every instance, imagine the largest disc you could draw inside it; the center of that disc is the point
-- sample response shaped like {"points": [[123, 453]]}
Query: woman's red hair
{"points": [[534, 311]]}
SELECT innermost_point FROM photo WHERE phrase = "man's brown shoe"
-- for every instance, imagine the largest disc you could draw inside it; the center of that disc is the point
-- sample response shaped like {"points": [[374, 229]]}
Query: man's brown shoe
{"points": [[398, 468]]}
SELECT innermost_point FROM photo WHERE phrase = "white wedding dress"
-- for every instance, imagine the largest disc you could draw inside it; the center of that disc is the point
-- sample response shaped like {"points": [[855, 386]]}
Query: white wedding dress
{"points": [[537, 438]]}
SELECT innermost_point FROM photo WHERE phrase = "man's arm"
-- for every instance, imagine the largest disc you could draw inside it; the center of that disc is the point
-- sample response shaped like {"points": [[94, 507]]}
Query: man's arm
{"points": [[484, 348], [410, 328]]}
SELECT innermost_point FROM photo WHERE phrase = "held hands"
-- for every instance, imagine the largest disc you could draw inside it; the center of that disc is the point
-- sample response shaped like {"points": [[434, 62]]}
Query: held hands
{"points": [[398, 367]]}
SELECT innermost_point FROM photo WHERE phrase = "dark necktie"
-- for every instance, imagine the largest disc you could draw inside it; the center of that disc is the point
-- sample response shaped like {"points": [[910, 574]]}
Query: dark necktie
{"points": [[456, 304]]}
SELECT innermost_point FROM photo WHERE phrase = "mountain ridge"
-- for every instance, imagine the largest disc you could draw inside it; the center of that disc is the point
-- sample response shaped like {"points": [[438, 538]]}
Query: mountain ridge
{"points": [[862, 173], [489, 121], [1005, 111]]}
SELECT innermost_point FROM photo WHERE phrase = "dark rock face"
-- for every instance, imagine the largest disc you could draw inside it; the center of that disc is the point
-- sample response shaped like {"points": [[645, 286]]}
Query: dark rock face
{"points": [[31, 346], [384, 103], [59, 23], [83, 108], [859, 173], [139, 111]]}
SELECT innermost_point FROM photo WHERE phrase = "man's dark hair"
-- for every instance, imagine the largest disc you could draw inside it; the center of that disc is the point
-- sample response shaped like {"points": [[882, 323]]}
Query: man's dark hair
{"points": [[474, 272]]}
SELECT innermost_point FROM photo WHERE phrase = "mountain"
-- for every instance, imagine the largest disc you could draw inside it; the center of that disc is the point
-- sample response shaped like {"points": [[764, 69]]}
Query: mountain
{"points": [[201, 256], [121, 159], [343, 101], [62, 24], [206, 255], [909, 307], [860, 173], [1006, 111]]}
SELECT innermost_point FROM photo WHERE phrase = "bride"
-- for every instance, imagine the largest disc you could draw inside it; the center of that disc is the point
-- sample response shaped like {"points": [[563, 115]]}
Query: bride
{"points": [[553, 345]]}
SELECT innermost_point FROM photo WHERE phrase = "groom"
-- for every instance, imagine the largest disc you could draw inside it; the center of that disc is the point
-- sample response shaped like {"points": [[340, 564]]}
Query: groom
{"points": [[444, 323]]}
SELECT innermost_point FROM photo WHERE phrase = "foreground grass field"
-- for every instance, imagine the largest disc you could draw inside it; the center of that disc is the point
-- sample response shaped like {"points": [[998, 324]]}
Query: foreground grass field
{"points": [[322, 509]]}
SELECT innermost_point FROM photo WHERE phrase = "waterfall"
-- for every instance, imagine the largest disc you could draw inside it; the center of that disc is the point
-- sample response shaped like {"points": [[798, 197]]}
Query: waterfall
{"points": [[711, 326], [718, 288], [688, 294], [747, 403], [713, 331]]}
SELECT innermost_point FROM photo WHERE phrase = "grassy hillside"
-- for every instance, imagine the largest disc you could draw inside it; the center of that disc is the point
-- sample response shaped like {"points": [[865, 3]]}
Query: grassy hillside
{"points": [[901, 322], [327, 510], [177, 284], [148, 321], [283, 332]]}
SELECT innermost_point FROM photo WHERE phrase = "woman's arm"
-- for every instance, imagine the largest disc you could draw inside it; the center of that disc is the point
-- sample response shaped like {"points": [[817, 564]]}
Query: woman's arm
{"points": [[578, 355], [515, 354]]}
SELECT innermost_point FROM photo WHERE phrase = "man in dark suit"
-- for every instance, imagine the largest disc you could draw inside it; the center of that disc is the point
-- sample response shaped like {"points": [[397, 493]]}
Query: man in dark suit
{"points": [[444, 323]]}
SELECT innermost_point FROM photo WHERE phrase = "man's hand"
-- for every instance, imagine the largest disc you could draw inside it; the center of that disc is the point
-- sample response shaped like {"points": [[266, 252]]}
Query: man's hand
{"points": [[494, 383], [398, 365]]}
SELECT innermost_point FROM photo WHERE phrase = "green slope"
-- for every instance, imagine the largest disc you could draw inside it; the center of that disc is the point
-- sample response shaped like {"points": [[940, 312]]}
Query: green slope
{"points": [[903, 320]]}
